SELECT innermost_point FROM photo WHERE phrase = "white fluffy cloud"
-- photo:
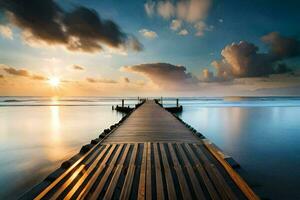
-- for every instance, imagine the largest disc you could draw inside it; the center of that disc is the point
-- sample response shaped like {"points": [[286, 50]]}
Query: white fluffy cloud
{"points": [[193, 10], [243, 59], [183, 32], [165, 9], [175, 24], [148, 33], [185, 12], [190, 10], [201, 27]]}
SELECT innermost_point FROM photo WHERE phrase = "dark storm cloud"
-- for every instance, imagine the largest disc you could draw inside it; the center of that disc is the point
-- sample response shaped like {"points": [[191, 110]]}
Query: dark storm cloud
{"points": [[165, 75], [244, 59], [100, 80], [23, 73], [80, 29], [282, 47], [41, 18]]}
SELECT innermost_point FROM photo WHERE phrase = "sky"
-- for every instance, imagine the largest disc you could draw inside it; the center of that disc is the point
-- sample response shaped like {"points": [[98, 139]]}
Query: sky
{"points": [[149, 48]]}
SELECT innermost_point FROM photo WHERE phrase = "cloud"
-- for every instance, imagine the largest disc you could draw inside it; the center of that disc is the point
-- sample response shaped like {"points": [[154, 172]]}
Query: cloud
{"points": [[282, 47], [165, 9], [188, 10], [134, 43], [175, 24], [6, 32], [221, 20], [149, 8], [80, 29], [78, 67], [22, 73], [126, 79], [165, 75], [243, 59], [38, 77], [207, 75], [100, 80], [16, 72], [192, 12], [183, 32], [201, 27], [148, 33], [1, 76]]}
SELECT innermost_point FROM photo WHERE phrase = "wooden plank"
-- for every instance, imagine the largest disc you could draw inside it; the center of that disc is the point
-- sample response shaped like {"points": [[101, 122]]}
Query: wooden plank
{"points": [[168, 175], [158, 175], [148, 173], [235, 177], [126, 189], [209, 186], [108, 171], [186, 194], [150, 124], [62, 176], [111, 188], [218, 180], [67, 183], [147, 123], [91, 182], [86, 174], [195, 183], [141, 191]]}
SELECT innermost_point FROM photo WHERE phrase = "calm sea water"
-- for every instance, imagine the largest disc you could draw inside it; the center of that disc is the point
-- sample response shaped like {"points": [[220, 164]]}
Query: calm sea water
{"points": [[262, 134]]}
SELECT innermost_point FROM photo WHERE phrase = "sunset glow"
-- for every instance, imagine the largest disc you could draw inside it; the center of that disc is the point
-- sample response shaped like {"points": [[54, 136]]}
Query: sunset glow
{"points": [[192, 81], [54, 81], [140, 55]]}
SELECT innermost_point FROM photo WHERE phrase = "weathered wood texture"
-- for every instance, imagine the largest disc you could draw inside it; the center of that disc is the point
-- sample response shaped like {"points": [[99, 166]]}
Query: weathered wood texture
{"points": [[151, 123], [150, 156]]}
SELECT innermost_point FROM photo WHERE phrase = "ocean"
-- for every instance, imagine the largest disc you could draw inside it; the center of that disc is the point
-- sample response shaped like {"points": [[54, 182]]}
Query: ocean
{"points": [[261, 133]]}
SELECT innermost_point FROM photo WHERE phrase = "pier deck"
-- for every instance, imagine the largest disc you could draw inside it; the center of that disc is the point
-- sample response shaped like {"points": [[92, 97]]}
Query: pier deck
{"points": [[151, 155], [151, 123]]}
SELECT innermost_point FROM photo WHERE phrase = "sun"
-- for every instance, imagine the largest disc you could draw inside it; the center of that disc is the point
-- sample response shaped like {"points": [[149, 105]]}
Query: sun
{"points": [[54, 81]]}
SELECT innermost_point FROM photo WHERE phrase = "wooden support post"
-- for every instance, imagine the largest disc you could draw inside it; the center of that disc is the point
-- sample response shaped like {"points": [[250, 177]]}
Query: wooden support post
{"points": [[177, 104], [122, 103]]}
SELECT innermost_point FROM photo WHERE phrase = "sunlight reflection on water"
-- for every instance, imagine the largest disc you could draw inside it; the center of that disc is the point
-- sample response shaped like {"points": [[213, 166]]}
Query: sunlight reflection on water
{"points": [[34, 141], [37, 135]]}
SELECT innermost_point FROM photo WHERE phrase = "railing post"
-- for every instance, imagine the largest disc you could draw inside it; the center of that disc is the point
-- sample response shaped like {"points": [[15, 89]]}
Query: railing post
{"points": [[177, 104], [122, 102]]}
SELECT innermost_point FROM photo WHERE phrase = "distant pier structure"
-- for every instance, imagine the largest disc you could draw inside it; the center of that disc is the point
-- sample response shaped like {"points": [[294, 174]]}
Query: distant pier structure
{"points": [[149, 154], [127, 109], [173, 109]]}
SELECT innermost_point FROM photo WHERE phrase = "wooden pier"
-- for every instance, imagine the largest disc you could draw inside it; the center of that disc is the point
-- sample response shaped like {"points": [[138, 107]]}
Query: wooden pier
{"points": [[150, 155]]}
